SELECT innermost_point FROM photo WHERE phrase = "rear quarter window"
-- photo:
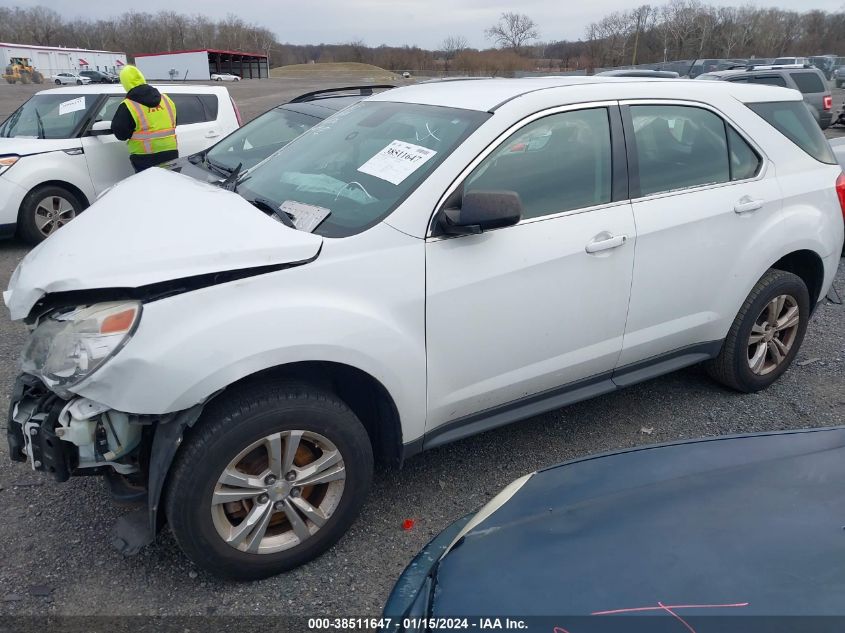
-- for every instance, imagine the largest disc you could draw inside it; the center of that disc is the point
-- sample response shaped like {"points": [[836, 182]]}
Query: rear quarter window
{"points": [[769, 80], [792, 119], [808, 82]]}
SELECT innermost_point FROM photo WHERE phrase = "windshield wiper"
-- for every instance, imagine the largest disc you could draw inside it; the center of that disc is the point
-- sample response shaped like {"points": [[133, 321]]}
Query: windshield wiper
{"points": [[267, 205], [40, 124], [221, 169], [231, 181], [13, 121]]}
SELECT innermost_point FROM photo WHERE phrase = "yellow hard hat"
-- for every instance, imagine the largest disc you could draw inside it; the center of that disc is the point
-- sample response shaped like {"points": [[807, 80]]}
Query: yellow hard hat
{"points": [[131, 77]]}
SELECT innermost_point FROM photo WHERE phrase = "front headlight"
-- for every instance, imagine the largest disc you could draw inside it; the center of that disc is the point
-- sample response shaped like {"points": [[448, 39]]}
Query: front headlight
{"points": [[67, 347], [7, 161]]}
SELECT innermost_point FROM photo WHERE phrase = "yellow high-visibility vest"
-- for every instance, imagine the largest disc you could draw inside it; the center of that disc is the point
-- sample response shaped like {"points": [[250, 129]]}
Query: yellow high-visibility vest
{"points": [[155, 128]]}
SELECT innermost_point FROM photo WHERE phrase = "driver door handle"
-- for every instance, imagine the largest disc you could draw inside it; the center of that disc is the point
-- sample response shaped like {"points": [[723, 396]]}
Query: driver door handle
{"points": [[605, 241], [746, 204]]}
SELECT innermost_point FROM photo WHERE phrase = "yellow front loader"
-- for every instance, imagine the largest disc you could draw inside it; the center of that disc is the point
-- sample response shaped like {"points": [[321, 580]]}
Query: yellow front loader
{"points": [[20, 69]]}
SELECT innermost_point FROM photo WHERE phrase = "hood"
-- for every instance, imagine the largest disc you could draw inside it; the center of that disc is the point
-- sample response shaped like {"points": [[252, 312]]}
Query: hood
{"points": [[153, 227], [27, 146], [146, 95], [131, 77], [751, 520]]}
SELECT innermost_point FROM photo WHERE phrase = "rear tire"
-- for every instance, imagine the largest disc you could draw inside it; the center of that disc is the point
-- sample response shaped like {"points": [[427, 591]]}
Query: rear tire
{"points": [[58, 82], [235, 435], [763, 340], [46, 209]]}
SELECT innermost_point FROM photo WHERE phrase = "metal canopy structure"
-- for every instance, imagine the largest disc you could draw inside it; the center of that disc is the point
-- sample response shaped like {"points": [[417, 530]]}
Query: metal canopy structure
{"points": [[245, 65], [200, 64]]}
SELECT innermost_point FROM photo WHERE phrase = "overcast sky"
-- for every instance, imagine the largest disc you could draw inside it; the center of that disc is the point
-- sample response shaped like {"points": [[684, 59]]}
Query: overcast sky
{"points": [[396, 22]]}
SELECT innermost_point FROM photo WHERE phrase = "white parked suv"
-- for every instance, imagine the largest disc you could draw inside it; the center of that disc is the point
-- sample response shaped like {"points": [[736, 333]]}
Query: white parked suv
{"points": [[57, 152], [429, 263]]}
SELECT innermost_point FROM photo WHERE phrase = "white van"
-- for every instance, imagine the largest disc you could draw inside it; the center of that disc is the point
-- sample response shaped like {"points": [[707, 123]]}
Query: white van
{"points": [[57, 152]]}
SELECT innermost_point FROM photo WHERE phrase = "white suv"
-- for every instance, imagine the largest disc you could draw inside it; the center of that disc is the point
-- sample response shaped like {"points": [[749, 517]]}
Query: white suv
{"points": [[57, 152], [429, 263]]}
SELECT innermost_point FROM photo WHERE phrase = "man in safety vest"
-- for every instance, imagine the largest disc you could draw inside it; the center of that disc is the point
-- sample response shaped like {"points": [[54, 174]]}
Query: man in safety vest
{"points": [[146, 120]]}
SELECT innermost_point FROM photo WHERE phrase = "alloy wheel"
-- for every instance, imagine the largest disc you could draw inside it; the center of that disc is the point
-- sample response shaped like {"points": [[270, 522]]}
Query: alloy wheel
{"points": [[52, 213], [773, 334], [278, 492]]}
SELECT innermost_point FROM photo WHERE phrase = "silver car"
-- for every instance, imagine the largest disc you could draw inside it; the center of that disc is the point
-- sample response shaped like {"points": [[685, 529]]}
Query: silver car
{"points": [[808, 80]]}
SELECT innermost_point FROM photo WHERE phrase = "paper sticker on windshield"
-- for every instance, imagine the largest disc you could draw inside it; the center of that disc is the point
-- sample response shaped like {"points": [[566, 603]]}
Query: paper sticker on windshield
{"points": [[306, 217], [397, 161], [74, 105]]}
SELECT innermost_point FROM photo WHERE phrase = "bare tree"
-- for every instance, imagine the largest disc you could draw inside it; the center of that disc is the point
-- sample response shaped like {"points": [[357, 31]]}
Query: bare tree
{"points": [[512, 31], [452, 46]]}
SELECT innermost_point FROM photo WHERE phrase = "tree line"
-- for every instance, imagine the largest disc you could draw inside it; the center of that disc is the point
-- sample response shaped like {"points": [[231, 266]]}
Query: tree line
{"points": [[678, 29], [689, 29]]}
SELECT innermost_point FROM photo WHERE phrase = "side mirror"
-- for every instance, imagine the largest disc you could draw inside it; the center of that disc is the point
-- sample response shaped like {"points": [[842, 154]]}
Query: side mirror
{"points": [[481, 211], [100, 128]]}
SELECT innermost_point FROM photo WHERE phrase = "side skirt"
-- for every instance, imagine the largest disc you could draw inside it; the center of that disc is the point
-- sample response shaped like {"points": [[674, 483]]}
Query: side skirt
{"points": [[559, 397]]}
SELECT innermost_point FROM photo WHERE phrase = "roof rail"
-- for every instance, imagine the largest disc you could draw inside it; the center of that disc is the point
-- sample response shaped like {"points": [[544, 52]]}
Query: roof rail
{"points": [[364, 91]]}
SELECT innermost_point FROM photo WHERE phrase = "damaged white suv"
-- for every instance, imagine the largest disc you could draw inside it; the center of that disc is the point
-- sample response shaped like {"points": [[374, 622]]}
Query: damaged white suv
{"points": [[432, 262]]}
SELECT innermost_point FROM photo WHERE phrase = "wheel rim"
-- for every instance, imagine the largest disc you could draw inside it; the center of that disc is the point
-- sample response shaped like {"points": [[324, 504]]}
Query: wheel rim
{"points": [[773, 334], [278, 492], [52, 213]]}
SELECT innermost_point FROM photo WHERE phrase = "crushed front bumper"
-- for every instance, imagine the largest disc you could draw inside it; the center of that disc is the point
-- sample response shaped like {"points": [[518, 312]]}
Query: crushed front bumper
{"points": [[79, 437], [33, 414]]}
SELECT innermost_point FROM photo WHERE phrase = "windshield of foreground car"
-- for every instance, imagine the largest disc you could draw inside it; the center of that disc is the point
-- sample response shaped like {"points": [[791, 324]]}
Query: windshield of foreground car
{"points": [[259, 138], [48, 116], [361, 163]]}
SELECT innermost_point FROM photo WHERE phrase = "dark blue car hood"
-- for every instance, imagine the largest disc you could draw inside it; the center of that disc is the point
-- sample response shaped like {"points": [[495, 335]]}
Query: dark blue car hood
{"points": [[755, 522]]}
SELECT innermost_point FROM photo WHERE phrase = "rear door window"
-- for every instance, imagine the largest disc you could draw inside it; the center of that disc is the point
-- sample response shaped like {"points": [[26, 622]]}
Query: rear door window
{"points": [[794, 121], [192, 109], [808, 82], [677, 147]]}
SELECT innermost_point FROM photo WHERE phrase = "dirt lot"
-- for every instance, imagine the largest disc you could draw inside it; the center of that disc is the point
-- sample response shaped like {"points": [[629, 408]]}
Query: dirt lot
{"points": [[54, 547]]}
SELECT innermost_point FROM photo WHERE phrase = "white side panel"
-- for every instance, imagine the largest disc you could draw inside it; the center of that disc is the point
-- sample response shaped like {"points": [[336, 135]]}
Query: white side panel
{"points": [[361, 303], [519, 310], [183, 66]]}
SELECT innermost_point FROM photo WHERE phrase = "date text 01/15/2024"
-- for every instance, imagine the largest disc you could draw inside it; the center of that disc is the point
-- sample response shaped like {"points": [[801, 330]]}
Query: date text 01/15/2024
{"points": [[429, 624]]}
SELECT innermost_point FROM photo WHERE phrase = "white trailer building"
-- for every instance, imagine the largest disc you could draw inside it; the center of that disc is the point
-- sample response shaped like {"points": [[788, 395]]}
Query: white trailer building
{"points": [[201, 64], [50, 60]]}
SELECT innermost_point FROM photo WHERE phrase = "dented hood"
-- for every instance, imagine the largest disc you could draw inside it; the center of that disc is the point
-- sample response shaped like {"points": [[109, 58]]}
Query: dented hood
{"points": [[153, 227]]}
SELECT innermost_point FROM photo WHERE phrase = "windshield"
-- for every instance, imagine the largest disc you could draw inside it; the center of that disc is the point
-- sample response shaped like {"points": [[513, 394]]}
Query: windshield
{"points": [[360, 164], [48, 116], [259, 138]]}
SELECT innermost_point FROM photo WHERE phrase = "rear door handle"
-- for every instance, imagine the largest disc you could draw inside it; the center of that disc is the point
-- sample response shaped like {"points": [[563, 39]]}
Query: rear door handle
{"points": [[746, 204], [212, 135], [605, 241]]}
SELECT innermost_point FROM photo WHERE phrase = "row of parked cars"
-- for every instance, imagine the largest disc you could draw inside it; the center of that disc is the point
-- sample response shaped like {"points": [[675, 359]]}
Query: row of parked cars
{"points": [[366, 273]]}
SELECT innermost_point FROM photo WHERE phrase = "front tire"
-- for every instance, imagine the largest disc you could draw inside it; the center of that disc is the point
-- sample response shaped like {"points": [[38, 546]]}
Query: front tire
{"points": [[58, 82], [766, 334], [270, 478], [45, 210]]}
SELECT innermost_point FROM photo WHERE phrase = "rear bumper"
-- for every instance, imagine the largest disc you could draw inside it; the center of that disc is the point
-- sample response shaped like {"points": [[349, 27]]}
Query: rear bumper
{"points": [[825, 117]]}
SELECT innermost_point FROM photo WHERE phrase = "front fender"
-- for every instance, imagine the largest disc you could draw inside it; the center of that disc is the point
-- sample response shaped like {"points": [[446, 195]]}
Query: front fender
{"points": [[361, 303]]}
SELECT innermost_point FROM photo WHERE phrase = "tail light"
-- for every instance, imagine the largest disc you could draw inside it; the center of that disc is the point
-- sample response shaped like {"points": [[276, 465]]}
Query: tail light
{"points": [[828, 102], [240, 122], [840, 191]]}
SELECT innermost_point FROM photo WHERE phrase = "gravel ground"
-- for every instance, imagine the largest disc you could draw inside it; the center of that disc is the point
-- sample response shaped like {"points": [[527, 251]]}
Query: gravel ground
{"points": [[54, 546]]}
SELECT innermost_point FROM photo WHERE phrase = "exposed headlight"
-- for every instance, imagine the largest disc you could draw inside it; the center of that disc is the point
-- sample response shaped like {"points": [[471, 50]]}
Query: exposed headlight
{"points": [[67, 347], [7, 161]]}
